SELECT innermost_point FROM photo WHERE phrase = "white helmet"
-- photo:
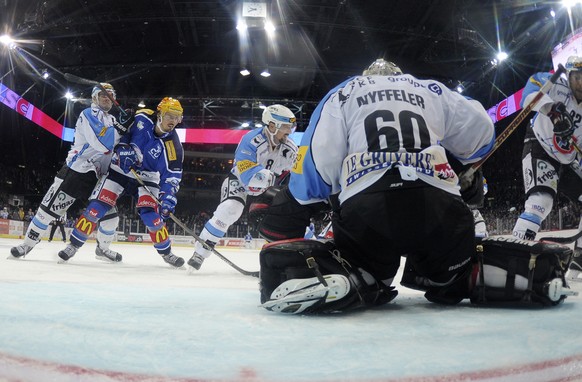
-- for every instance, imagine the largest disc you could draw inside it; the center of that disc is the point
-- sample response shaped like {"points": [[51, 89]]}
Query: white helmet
{"points": [[574, 63], [98, 89], [381, 67], [281, 117]]}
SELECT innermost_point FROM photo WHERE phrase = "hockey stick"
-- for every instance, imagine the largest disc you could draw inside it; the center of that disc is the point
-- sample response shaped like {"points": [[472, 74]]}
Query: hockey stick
{"points": [[192, 233], [516, 121], [84, 81], [563, 240]]}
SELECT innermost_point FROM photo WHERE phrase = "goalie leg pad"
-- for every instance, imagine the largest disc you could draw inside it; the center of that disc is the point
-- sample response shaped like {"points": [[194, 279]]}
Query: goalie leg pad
{"points": [[314, 277], [519, 272]]}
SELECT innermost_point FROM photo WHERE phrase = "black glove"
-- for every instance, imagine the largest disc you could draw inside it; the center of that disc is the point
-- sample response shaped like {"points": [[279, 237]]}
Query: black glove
{"points": [[472, 190], [563, 124], [283, 217], [124, 120]]}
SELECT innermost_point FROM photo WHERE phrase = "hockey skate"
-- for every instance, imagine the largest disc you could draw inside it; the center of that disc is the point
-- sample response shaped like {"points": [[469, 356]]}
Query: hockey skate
{"points": [[173, 260], [107, 255], [196, 261], [20, 251], [296, 295], [68, 252]]}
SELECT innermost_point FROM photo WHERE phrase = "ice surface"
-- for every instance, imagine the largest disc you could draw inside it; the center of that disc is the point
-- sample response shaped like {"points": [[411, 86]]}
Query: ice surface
{"points": [[143, 320]]}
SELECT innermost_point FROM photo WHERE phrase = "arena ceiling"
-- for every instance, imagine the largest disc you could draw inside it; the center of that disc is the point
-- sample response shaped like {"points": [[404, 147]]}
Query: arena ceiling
{"points": [[192, 50]]}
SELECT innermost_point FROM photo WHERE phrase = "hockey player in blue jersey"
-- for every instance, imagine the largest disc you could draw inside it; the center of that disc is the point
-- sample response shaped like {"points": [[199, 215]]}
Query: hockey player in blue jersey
{"points": [[153, 149], [262, 154], [550, 163], [96, 133]]}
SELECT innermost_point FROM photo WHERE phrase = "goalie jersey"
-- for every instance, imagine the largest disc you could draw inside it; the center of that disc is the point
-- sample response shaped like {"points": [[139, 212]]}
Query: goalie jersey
{"points": [[370, 124]]}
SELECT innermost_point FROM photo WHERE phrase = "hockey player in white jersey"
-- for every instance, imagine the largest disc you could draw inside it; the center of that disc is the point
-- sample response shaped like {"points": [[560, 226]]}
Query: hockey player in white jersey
{"points": [[262, 155], [96, 134], [549, 156], [378, 142]]}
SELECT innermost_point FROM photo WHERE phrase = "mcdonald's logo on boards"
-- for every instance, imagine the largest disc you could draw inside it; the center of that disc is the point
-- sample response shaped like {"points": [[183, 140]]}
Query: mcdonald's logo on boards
{"points": [[85, 226]]}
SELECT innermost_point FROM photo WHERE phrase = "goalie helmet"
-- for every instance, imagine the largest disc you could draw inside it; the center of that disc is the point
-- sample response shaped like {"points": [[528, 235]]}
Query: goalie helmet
{"points": [[99, 89], [381, 67]]}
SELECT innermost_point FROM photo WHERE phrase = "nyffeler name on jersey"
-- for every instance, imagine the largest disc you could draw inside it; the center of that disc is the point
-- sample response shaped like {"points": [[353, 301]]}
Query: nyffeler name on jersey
{"points": [[391, 95]]}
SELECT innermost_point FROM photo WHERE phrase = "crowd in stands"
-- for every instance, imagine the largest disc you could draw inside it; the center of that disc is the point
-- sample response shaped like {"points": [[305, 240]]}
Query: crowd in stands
{"points": [[503, 201]]}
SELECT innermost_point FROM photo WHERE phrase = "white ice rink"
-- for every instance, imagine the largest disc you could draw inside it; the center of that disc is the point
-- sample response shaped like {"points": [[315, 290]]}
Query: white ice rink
{"points": [[141, 320]]}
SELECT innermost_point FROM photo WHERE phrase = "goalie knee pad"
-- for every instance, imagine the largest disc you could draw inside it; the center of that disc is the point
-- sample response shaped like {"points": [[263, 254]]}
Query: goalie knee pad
{"points": [[307, 276], [519, 272]]}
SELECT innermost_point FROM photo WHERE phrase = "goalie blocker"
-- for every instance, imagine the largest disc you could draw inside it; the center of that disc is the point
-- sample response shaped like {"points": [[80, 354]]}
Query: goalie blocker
{"points": [[307, 276]]}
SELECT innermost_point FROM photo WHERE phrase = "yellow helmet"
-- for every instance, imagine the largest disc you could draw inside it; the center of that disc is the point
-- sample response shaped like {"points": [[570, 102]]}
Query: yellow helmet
{"points": [[170, 104]]}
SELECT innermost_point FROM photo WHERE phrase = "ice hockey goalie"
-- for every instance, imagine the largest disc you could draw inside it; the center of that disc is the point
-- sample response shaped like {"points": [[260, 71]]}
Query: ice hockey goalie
{"points": [[308, 276]]}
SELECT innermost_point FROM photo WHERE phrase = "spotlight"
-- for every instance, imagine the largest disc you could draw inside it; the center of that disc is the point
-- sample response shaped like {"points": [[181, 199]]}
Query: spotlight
{"points": [[265, 73], [245, 72], [141, 104], [45, 74], [68, 95], [502, 56]]}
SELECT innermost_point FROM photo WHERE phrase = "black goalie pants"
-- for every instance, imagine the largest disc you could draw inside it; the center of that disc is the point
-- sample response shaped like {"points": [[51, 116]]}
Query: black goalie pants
{"points": [[433, 228]]}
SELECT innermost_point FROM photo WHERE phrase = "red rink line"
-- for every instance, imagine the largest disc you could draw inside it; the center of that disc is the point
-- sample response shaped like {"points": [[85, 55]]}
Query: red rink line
{"points": [[20, 369]]}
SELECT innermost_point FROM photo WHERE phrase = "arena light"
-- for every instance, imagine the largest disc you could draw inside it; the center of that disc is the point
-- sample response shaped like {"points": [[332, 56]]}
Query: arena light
{"points": [[501, 56], [141, 104], [265, 73], [245, 72], [8, 41], [45, 74], [241, 26]]}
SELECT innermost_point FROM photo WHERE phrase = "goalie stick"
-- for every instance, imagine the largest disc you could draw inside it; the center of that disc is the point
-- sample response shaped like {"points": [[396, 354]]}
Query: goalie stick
{"points": [[563, 240], [192, 233], [516, 121], [84, 81]]}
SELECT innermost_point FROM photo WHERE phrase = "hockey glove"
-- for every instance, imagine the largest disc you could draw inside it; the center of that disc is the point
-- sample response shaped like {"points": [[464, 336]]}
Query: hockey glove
{"points": [[123, 121], [167, 204], [126, 157], [563, 124], [260, 182], [283, 217]]}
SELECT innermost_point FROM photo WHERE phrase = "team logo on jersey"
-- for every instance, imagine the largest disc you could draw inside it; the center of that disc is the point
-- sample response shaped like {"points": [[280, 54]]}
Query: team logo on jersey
{"points": [[563, 145], [140, 125], [435, 88], [155, 151]]}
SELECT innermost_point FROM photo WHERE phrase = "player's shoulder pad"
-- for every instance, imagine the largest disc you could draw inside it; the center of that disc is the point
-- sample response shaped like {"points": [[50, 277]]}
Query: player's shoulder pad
{"points": [[174, 150], [254, 137], [145, 111]]}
